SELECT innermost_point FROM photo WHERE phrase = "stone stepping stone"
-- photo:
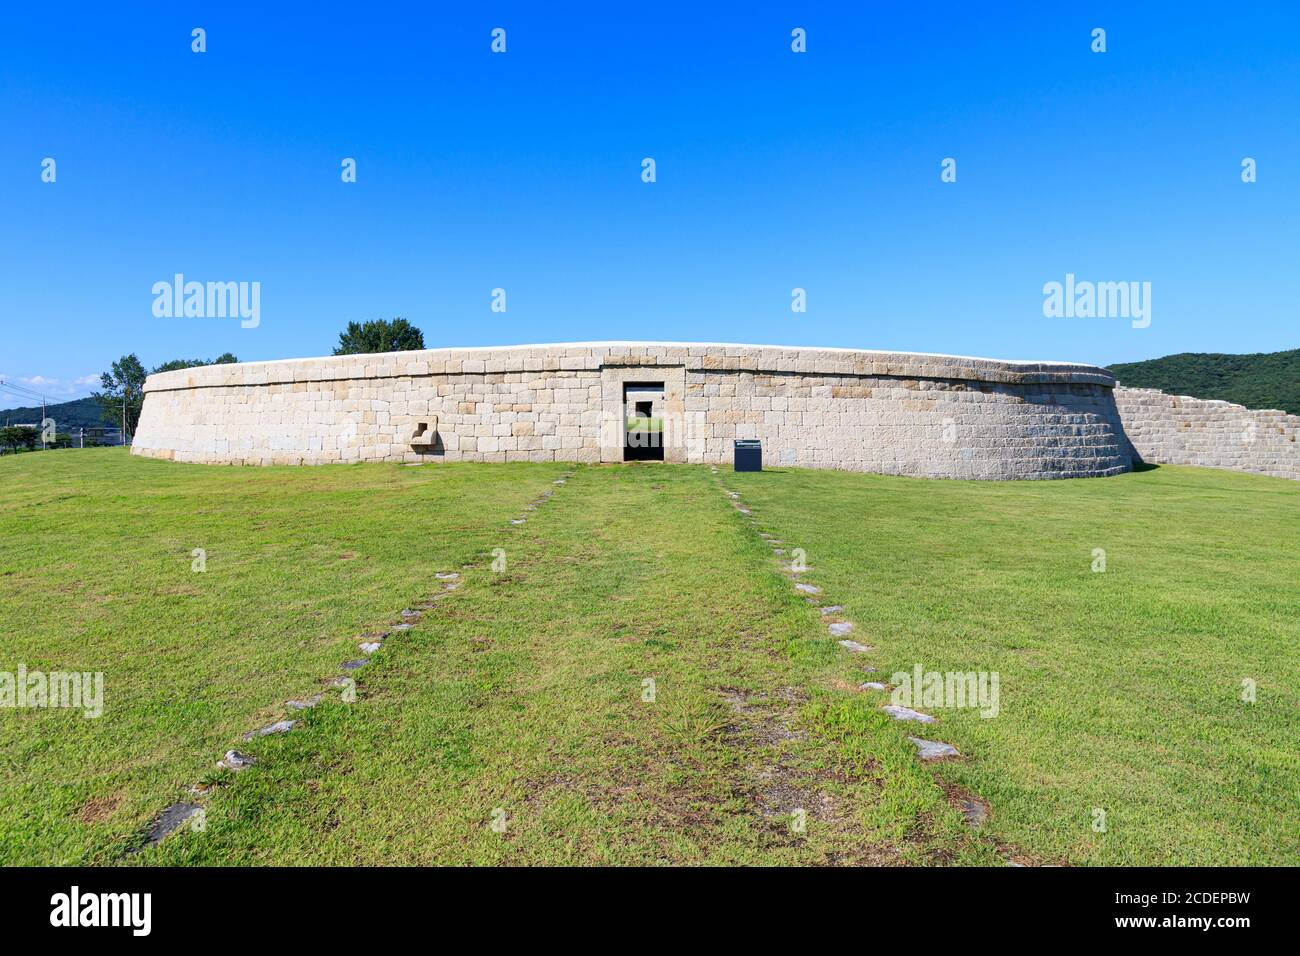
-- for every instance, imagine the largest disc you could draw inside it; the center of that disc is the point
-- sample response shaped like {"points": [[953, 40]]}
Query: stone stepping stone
{"points": [[778, 551], [933, 749], [450, 586], [305, 703], [974, 812], [832, 608], [840, 628], [236, 761], [447, 575], [369, 647], [518, 520], [279, 727], [874, 685], [558, 481], [899, 712], [855, 647], [808, 588], [337, 681], [411, 615], [402, 627], [354, 665], [743, 510], [734, 494], [169, 821]]}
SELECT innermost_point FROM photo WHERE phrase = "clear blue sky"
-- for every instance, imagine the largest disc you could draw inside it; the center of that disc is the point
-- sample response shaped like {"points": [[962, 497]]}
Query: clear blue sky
{"points": [[522, 171]]}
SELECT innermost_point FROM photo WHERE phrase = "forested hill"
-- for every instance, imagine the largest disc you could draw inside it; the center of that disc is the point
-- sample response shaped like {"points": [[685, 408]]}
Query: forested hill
{"points": [[80, 413], [1258, 380]]}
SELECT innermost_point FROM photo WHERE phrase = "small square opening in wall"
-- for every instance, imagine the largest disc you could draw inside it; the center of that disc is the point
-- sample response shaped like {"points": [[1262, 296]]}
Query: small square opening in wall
{"points": [[424, 433]]}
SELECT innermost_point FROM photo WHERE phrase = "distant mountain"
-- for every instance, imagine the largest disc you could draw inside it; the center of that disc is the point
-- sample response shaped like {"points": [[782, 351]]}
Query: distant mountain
{"points": [[79, 413], [1258, 380]]}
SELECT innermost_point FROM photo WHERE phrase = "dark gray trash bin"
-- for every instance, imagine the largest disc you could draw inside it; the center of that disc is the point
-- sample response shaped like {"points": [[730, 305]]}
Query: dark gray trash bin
{"points": [[749, 454]]}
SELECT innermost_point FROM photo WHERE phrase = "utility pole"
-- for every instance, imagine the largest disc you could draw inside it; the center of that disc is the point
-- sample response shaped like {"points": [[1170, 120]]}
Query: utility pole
{"points": [[42, 423]]}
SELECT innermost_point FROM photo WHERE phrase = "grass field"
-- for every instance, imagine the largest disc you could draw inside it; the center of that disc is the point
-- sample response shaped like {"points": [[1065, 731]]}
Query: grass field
{"points": [[637, 681]]}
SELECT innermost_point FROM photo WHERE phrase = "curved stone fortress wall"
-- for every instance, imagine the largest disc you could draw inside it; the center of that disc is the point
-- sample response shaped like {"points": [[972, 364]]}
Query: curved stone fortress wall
{"points": [[893, 413]]}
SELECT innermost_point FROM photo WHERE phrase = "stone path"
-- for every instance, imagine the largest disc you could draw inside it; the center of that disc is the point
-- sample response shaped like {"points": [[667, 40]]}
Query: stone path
{"points": [[175, 816], [927, 750], [234, 761]]}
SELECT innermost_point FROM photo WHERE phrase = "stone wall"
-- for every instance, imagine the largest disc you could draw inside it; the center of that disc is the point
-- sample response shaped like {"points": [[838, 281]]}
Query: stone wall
{"points": [[894, 413], [1178, 430]]}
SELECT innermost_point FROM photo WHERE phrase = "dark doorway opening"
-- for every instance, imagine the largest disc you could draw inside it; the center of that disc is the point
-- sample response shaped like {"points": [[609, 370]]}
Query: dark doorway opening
{"points": [[643, 421]]}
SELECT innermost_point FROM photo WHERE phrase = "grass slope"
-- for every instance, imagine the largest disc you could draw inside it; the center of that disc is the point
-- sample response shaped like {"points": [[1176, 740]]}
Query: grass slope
{"points": [[95, 575], [1120, 691], [1258, 380], [523, 690], [524, 695]]}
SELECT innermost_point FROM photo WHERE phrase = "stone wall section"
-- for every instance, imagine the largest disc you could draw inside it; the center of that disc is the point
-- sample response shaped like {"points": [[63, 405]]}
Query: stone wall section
{"points": [[893, 413], [1179, 430]]}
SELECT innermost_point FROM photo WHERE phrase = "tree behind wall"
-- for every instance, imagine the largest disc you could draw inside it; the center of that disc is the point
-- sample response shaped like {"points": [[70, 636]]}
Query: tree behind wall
{"points": [[379, 335], [123, 385]]}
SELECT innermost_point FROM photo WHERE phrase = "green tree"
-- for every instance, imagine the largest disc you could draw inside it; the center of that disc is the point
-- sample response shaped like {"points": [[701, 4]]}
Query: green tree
{"points": [[14, 437], [379, 335], [122, 385], [224, 359]]}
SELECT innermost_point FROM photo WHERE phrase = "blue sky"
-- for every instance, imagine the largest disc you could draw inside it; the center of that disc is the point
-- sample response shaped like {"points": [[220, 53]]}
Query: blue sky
{"points": [[522, 171]]}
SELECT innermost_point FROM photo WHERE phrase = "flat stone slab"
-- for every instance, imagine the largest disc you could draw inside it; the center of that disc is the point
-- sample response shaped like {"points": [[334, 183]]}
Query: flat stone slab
{"points": [[304, 703], [744, 511], [369, 647], [451, 586], [874, 685], [403, 627], [808, 588], [974, 812], [169, 821], [840, 628], [234, 760], [279, 727], [899, 712], [410, 614], [354, 665], [832, 608], [778, 551], [855, 647], [518, 520], [933, 749], [447, 575]]}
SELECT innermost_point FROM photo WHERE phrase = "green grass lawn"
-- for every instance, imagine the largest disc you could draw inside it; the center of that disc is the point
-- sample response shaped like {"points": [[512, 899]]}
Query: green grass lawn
{"points": [[643, 424], [1120, 690], [640, 683]]}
